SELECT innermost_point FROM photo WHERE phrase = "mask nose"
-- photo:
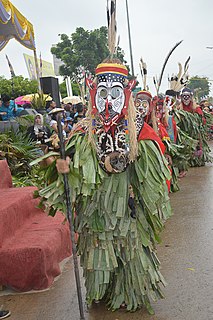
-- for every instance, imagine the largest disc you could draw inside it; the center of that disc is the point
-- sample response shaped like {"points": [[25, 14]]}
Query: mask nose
{"points": [[109, 99], [108, 103]]}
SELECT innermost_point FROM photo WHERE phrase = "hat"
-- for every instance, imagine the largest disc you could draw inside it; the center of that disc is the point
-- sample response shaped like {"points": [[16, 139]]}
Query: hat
{"points": [[55, 110], [186, 91], [144, 92], [172, 93], [111, 71]]}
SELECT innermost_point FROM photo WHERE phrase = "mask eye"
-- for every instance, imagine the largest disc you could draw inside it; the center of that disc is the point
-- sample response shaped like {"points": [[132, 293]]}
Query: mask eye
{"points": [[116, 92], [103, 93], [186, 96], [138, 103]]}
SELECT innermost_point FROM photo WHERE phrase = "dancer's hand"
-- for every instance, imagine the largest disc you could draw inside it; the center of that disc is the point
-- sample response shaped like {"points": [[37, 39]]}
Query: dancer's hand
{"points": [[63, 165]]}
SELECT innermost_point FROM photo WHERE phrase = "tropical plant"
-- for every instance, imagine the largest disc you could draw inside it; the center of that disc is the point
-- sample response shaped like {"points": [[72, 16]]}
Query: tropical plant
{"points": [[19, 151], [39, 100], [34, 178], [25, 122]]}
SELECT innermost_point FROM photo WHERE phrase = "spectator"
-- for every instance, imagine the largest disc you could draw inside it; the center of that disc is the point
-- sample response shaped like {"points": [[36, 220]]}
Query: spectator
{"points": [[72, 110], [50, 105], [69, 110], [8, 109], [38, 132], [79, 112], [68, 125], [53, 122]]}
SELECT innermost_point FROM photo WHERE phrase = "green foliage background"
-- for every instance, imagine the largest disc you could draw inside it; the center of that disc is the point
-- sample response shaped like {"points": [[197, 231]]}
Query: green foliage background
{"points": [[83, 47], [200, 86], [19, 85]]}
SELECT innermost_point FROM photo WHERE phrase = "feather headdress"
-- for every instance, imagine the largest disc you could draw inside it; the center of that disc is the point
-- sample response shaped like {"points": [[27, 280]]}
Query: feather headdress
{"points": [[112, 26], [143, 69], [180, 80]]}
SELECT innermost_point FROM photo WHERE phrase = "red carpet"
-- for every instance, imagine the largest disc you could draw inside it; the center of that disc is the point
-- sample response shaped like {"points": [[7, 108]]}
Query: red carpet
{"points": [[32, 244]]}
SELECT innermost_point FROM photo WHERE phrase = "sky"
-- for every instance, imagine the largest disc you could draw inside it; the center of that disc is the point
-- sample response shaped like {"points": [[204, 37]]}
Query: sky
{"points": [[155, 26]]}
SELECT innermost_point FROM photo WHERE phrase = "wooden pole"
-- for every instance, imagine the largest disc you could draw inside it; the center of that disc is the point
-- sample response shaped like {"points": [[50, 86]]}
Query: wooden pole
{"points": [[69, 216], [130, 42]]}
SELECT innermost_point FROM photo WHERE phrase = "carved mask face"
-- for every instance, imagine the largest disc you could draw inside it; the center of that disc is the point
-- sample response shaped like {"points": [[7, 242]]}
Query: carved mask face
{"points": [[109, 99], [142, 104], [159, 110], [186, 98], [110, 95]]}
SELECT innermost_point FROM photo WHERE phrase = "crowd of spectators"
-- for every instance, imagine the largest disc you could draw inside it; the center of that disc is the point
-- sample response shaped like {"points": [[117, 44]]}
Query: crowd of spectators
{"points": [[45, 124]]}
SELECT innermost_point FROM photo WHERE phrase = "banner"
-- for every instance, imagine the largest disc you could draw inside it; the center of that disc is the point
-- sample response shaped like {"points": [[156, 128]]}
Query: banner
{"points": [[46, 67]]}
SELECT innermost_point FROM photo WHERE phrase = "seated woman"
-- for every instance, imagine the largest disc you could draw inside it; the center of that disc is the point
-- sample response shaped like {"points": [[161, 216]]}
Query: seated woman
{"points": [[38, 132]]}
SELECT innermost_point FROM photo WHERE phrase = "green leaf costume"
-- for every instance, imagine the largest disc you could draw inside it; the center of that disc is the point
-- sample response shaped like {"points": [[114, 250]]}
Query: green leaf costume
{"points": [[117, 251], [192, 129]]}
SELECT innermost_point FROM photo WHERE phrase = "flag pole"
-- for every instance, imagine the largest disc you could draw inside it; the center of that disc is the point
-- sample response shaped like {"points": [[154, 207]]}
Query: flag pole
{"points": [[37, 70]]}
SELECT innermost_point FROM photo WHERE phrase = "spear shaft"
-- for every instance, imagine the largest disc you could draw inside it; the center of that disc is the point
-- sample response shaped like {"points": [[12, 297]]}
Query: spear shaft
{"points": [[69, 216]]}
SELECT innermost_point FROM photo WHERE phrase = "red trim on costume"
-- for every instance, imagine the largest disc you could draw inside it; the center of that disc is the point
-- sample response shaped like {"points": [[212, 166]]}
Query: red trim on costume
{"points": [[127, 94], [162, 131], [199, 111], [92, 89], [148, 133], [168, 182]]}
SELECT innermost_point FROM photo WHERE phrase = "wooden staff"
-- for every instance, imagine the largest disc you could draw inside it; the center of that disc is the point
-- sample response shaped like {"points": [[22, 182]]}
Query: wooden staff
{"points": [[69, 216]]}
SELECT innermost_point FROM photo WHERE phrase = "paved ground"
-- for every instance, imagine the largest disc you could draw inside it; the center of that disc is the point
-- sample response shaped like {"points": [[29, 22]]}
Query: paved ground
{"points": [[186, 254]]}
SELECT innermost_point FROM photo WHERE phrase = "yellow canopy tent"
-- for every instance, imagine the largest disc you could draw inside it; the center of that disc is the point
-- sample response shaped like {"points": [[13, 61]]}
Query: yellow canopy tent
{"points": [[14, 25]]}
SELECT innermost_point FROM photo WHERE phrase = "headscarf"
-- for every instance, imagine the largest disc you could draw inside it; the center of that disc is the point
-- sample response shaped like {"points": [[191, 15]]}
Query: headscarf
{"points": [[38, 127]]}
